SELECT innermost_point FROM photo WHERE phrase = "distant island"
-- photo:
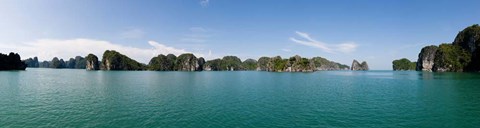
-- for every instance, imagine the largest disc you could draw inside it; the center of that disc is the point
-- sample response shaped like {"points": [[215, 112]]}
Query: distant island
{"points": [[113, 60], [462, 55]]}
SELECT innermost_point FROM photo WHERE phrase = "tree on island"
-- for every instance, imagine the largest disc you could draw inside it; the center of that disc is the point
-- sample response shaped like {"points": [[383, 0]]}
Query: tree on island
{"points": [[403, 64]]}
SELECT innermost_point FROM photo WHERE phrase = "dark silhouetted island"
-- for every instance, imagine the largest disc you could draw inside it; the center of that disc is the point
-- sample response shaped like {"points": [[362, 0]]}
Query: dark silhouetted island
{"points": [[11, 61]]}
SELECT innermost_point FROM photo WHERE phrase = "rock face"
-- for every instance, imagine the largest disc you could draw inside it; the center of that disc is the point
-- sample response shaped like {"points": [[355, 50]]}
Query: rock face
{"points": [[11, 62], [32, 62], [462, 54], [212, 65], [357, 66], [297, 64], [187, 62], [320, 64], [92, 62], [262, 64], [201, 62], [451, 58], [426, 58], [112, 60], [469, 39]]}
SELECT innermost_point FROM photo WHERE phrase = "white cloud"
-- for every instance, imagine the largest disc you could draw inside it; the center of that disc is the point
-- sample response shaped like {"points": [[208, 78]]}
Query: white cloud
{"points": [[204, 3], [286, 50], [46, 49], [347, 47], [132, 34]]}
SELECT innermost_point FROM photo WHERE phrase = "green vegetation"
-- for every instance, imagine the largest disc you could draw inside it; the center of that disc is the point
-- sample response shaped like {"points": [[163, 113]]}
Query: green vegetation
{"points": [[451, 58], [278, 63], [112, 60], [250, 64], [213, 65], [403, 64], [160, 63], [231, 63], [11, 62]]}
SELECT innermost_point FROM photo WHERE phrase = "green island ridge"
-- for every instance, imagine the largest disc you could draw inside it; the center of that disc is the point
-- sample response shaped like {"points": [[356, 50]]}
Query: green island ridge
{"points": [[462, 55], [113, 60]]}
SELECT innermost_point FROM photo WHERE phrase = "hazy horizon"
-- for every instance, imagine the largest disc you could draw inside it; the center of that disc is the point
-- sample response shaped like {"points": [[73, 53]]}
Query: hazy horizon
{"points": [[374, 31]]}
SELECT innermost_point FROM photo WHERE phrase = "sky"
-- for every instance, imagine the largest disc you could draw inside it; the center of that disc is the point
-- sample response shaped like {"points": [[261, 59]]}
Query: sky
{"points": [[376, 31]]}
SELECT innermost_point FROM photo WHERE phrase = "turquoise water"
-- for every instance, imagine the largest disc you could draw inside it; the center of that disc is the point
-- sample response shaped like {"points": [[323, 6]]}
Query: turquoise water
{"points": [[79, 98]]}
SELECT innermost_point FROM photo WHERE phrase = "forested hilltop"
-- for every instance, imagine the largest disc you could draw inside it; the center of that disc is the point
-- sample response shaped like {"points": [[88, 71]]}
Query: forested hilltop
{"points": [[462, 55]]}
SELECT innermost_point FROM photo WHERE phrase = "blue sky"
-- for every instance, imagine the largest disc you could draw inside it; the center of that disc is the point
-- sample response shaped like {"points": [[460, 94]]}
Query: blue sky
{"points": [[376, 31]]}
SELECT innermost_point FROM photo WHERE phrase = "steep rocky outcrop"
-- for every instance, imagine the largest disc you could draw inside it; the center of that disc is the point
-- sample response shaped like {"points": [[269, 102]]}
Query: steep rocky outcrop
{"points": [[201, 63], [469, 39], [32, 62], [426, 58], [112, 60], [462, 54], [262, 63], [213, 65], [359, 66], [92, 62], [11, 62], [187, 62], [277, 64]]}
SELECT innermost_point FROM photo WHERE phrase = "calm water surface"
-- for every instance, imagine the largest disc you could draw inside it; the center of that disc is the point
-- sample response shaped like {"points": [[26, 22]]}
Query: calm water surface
{"points": [[79, 98]]}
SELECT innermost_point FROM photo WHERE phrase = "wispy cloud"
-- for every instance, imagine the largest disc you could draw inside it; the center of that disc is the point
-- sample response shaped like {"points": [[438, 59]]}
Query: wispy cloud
{"points": [[286, 50], [196, 35], [306, 40], [132, 33], [204, 3], [46, 49]]}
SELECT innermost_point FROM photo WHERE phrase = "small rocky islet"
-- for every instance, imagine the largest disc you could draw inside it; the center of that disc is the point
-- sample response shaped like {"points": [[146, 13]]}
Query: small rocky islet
{"points": [[113, 60], [462, 55]]}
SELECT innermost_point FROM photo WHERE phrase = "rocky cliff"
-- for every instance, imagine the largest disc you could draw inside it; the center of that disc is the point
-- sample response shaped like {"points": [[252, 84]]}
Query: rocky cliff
{"points": [[462, 54], [469, 39], [359, 66], [187, 62], [426, 58], [92, 62]]}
